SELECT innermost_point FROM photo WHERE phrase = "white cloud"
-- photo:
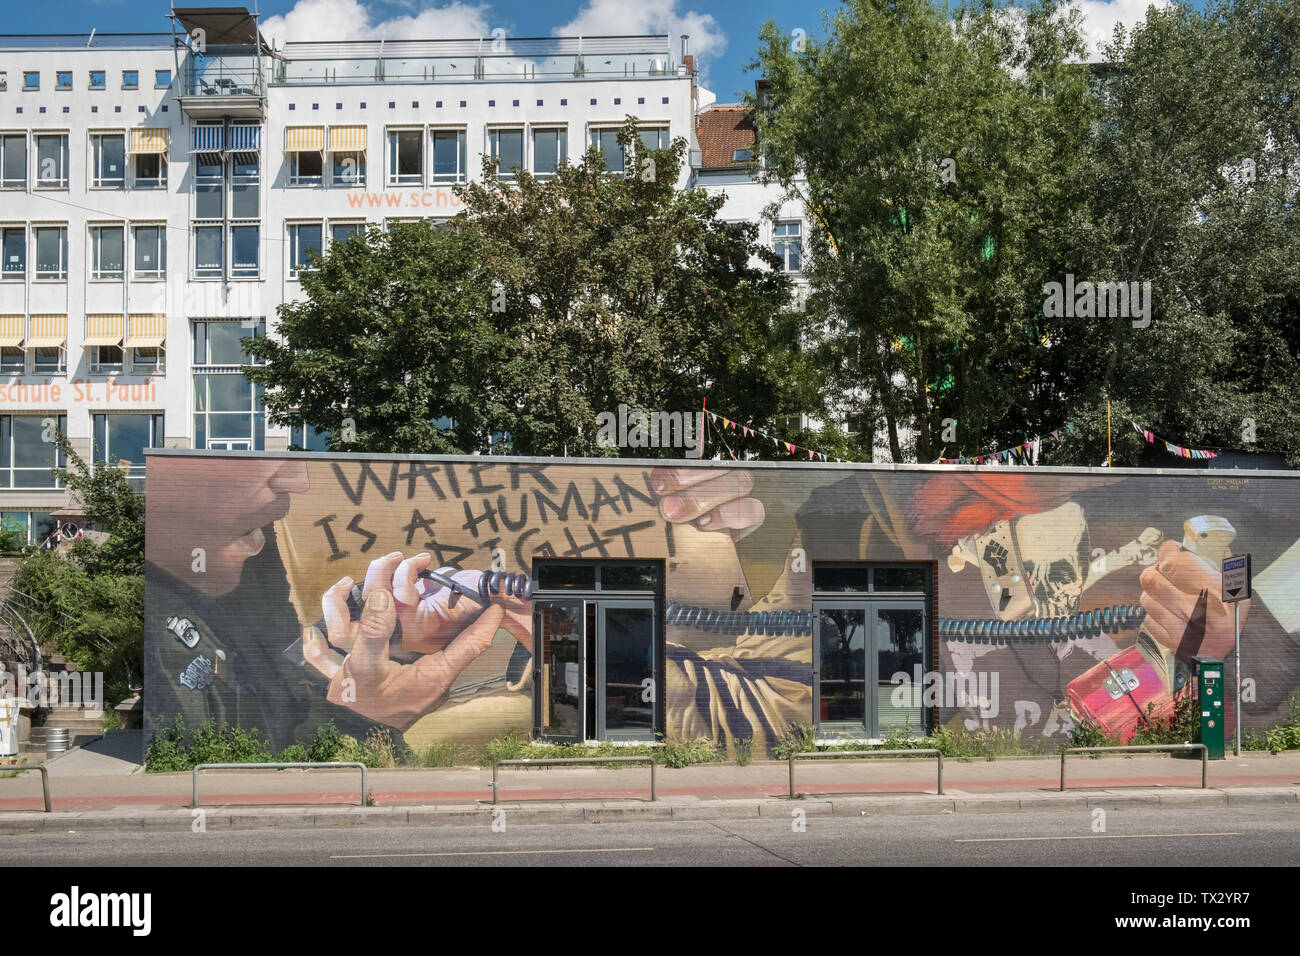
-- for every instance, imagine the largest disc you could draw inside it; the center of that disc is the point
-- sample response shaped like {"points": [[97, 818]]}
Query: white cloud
{"points": [[1101, 16], [620, 18], [311, 20]]}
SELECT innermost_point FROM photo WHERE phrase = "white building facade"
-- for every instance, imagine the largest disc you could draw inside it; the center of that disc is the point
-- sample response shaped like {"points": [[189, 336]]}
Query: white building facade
{"points": [[160, 193]]}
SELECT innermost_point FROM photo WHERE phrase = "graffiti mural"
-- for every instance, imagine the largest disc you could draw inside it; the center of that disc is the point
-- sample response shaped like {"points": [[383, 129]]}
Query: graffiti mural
{"points": [[283, 592]]}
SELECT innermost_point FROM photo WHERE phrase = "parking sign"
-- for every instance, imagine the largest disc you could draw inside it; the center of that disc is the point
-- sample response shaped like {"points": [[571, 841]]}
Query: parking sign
{"points": [[1236, 578]]}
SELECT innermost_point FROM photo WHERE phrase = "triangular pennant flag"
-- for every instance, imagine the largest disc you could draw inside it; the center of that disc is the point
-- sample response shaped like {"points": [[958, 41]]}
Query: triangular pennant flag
{"points": [[789, 448], [713, 416], [810, 454]]}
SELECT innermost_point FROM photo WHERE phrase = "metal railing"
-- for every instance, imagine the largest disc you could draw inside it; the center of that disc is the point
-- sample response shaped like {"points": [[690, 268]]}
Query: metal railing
{"points": [[1172, 748], [829, 754], [556, 761], [277, 766], [45, 782]]}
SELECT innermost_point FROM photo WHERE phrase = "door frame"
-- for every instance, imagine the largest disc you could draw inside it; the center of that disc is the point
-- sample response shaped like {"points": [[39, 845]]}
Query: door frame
{"points": [[629, 603], [869, 604]]}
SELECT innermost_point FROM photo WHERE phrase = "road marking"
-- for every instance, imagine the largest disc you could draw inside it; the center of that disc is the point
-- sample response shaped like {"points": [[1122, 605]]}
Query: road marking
{"points": [[1097, 836], [390, 856]]}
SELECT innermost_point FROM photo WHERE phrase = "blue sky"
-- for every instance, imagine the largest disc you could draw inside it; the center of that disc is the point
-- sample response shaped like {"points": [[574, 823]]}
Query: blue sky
{"points": [[723, 32]]}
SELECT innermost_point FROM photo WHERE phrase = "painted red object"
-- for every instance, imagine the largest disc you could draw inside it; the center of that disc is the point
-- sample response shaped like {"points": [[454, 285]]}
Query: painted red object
{"points": [[1093, 694]]}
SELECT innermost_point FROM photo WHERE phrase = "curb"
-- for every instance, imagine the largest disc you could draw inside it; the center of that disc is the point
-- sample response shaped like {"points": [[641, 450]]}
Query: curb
{"points": [[671, 809]]}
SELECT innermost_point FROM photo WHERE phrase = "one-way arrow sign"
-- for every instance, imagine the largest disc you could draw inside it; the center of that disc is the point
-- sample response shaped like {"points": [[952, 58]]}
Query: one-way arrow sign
{"points": [[1236, 578]]}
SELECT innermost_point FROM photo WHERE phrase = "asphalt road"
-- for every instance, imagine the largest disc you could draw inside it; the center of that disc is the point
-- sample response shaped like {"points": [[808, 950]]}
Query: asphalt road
{"points": [[1244, 836]]}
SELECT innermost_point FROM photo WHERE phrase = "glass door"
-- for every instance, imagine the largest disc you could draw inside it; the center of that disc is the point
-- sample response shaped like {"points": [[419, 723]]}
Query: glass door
{"points": [[898, 647], [859, 645], [627, 672], [559, 633]]}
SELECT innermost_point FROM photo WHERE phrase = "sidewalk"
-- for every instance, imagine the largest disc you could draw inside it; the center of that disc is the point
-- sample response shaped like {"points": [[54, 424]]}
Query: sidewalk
{"points": [[886, 785]]}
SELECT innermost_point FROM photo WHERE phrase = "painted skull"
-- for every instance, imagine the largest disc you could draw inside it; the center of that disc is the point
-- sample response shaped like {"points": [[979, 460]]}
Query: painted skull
{"points": [[1053, 550]]}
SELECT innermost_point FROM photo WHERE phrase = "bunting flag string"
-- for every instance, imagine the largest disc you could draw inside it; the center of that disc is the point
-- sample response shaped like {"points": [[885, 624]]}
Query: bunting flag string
{"points": [[1170, 447], [1028, 449], [748, 431]]}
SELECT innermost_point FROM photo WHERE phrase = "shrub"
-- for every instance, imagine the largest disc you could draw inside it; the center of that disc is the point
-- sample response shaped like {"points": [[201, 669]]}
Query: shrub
{"points": [[683, 753], [744, 751], [439, 753], [326, 745]]}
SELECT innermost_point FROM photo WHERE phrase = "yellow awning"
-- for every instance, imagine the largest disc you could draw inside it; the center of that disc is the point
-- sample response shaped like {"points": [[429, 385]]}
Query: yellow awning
{"points": [[48, 331], [149, 141], [147, 332], [304, 139], [104, 328], [347, 139], [13, 328]]}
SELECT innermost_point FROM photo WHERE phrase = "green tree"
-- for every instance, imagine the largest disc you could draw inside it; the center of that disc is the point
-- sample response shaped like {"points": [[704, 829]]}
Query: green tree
{"points": [[936, 156], [547, 302], [89, 602], [1189, 184]]}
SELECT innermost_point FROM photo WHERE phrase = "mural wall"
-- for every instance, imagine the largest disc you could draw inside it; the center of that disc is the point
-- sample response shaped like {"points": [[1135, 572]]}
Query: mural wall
{"points": [[282, 592]]}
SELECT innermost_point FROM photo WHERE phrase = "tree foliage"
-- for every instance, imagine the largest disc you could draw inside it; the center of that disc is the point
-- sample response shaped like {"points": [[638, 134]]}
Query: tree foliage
{"points": [[548, 301], [929, 288]]}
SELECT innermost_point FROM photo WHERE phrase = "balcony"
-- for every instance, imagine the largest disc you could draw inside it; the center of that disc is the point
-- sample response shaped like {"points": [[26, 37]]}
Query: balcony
{"points": [[487, 59], [220, 87]]}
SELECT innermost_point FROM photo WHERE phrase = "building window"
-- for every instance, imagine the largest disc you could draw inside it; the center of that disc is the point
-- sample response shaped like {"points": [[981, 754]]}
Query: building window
{"points": [[13, 251], [606, 140], [13, 161], [31, 79], [550, 149], [130, 79], [405, 157], [306, 168], [507, 147], [149, 358], [106, 252], [52, 161], [245, 186], [31, 527], [209, 255], [245, 250], [105, 359], [448, 155], [304, 238], [742, 156], [27, 451], [787, 245], [13, 360], [217, 343], [63, 80], [343, 231], [307, 438], [150, 171], [51, 251], [108, 161], [227, 406], [349, 168], [48, 359], [654, 138], [162, 79], [123, 438], [98, 79], [209, 186]]}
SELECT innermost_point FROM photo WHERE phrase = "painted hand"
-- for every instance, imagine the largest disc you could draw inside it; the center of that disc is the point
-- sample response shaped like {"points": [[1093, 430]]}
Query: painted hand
{"points": [[370, 682], [1170, 590], [711, 500]]}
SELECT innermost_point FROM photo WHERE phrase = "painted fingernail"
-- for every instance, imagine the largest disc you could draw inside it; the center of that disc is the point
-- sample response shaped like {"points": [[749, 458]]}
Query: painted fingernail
{"points": [[705, 520], [380, 600], [672, 507], [658, 484]]}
